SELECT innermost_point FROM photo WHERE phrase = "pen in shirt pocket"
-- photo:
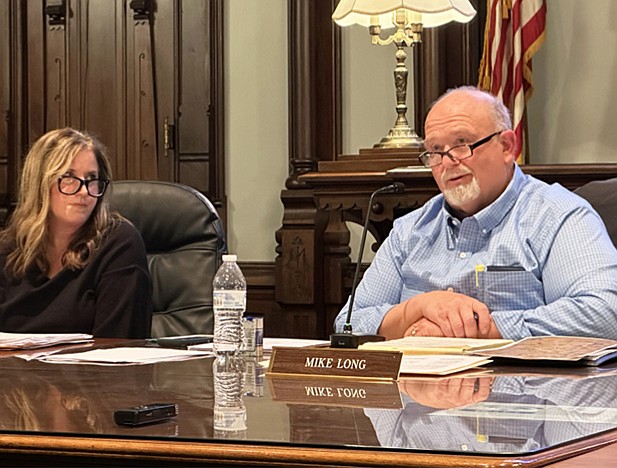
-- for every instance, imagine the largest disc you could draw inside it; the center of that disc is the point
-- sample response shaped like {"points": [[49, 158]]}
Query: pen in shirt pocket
{"points": [[505, 268], [495, 268]]}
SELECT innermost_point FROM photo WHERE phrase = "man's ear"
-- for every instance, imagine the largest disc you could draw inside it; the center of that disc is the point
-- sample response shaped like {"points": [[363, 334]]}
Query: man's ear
{"points": [[509, 143]]}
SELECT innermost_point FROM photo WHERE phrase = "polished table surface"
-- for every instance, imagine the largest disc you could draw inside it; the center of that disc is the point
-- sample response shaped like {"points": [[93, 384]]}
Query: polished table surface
{"points": [[62, 415]]}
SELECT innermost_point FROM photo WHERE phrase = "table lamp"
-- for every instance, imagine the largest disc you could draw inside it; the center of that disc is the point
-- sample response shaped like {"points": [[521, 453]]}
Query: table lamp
{"points": [[408, 17]]}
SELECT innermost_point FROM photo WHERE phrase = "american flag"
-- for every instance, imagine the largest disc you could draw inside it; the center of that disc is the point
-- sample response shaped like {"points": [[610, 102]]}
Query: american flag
{"points": [[514, 32]]}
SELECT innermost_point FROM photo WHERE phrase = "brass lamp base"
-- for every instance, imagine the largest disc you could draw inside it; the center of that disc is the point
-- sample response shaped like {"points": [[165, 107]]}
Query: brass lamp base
{"points": [[400, 137]]}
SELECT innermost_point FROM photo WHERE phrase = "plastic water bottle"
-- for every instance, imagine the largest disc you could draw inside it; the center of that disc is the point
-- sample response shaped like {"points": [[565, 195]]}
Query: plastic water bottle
{"points": [[229, 299], [229, 410]]}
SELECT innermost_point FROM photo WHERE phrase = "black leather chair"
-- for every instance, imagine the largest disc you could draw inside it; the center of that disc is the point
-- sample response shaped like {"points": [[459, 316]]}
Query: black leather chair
{"points": [[602, 194], [184, 240]]}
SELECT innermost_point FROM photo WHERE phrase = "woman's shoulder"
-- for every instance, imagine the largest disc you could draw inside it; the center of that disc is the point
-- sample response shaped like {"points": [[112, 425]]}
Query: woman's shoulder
{"points": [[123, 231], [121, 244], [121, 225]]}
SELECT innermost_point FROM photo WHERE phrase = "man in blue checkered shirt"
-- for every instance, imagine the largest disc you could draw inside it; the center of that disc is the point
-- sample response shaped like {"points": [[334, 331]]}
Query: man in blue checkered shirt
{"points": [[498, 253]]}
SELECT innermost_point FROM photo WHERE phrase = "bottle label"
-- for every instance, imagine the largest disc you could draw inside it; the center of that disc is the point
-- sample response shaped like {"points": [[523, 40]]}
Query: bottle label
{"points": [[226, 299]]}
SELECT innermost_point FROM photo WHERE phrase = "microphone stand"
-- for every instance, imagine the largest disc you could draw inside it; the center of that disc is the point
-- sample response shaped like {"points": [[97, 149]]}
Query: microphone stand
{"points": [[348, 339]]}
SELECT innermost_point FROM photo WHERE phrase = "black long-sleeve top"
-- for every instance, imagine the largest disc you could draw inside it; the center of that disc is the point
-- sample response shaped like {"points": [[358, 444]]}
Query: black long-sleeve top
{"points": [[111, 297]]}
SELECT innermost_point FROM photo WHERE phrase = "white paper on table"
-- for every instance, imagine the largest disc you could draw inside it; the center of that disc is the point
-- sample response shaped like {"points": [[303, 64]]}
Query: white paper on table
{"points": [[440, 364], [40, 340], [122, 356]]}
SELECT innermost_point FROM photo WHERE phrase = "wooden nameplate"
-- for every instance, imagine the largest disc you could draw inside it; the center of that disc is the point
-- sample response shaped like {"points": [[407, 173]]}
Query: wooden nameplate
{"points": [[335, 362], [349, 393]]}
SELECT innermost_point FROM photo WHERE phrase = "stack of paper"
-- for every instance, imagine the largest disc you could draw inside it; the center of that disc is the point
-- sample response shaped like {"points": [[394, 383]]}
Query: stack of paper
{"points": [[40, 340], [121, 356], [440, 364], [435, 345]]}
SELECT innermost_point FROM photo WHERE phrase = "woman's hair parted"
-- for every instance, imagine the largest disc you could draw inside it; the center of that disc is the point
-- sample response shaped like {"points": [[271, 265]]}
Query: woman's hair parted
{"points": [[27, 235]]}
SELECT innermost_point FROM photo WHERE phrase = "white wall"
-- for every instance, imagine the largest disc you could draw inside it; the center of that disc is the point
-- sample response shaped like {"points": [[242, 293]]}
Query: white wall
{"points": [[256, 124], [369, 99], [572, 111], [570, 114]]}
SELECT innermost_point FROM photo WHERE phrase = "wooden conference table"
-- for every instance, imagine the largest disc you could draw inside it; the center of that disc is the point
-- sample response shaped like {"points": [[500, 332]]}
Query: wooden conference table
{"points": [[62, 415]]}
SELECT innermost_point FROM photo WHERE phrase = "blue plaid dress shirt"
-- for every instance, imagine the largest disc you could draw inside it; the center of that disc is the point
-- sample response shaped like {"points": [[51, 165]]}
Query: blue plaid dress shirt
{"points": [[539, 257]]}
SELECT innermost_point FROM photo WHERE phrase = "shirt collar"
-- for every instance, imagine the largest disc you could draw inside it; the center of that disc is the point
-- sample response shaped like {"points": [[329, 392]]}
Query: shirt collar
{"points": [[489, 217]]}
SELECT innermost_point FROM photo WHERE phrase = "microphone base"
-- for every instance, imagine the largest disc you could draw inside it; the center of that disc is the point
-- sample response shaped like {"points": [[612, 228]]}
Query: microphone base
{"points": [[352, 340]]}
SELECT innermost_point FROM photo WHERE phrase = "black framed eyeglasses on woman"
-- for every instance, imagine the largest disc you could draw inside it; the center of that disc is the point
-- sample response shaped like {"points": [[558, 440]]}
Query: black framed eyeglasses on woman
{"points": [[70, 185]]}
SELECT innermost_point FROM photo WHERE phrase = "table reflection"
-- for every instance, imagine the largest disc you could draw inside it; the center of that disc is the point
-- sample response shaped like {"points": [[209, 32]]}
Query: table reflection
{"points": [[67, 398], [497, 414], [491, 413]]}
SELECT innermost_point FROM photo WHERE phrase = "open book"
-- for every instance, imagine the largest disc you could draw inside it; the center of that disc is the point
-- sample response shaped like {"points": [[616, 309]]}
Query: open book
{"points": [[573, 349], [435, 345]]}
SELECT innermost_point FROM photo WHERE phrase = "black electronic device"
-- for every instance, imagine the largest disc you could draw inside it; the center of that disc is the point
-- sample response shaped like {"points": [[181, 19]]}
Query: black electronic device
{"points": [[183, 341], [145, 414], [348, 339]]}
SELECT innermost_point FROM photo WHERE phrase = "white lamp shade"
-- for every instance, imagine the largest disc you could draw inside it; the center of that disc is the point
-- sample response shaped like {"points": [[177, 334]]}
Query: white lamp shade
{"points": [[433, 12]]}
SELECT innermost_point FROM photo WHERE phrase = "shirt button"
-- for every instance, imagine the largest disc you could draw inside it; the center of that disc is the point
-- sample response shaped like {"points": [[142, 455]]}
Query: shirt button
{"points": [[463, 254], [484, 231], [464, 447]]}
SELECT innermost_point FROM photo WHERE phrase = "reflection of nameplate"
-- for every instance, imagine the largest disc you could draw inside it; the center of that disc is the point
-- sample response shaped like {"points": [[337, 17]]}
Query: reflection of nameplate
{"points": [[380, 394], [336, 362]]}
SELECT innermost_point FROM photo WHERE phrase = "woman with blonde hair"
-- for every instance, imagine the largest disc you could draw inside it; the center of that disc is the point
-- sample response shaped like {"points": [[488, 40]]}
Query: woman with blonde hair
{"points": [[66, 263]]}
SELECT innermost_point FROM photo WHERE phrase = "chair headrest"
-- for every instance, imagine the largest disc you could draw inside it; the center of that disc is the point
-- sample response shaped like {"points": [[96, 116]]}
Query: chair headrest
{"points": [[167, 214]]}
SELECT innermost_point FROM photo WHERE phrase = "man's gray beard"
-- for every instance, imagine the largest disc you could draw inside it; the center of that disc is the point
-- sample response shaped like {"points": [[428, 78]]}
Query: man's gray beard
{"points": [[462, 194]]}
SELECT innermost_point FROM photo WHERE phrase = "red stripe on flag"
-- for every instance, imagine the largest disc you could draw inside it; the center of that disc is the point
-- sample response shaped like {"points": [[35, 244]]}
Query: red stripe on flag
{"points": [[511, 41]]}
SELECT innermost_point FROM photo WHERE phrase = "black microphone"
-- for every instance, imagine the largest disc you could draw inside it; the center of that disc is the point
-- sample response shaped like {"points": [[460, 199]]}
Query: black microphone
{"points": [[348, 339]]}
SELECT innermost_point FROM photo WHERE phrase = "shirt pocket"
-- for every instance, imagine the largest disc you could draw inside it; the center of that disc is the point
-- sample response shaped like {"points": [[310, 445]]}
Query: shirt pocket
{"points": [[510, 290]]}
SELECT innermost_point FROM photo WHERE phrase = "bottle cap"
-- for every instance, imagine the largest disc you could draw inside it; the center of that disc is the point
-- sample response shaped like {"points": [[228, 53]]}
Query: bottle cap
{"points": [[230, 258]]}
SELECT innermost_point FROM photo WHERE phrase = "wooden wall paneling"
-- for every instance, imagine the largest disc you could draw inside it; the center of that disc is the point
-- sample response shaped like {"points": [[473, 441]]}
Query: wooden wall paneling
{"points": [[314, 85], [5, 96], [260, 278], [119, 69], [326, 81], [188, 61], [36, 25], [298, 276], [127, 127], [15, 117], [97, 95], [103, 60], [194, 96], [56, 57], [142, 147], [166, 69], [75, 63], [118, 126], [216, 110]]}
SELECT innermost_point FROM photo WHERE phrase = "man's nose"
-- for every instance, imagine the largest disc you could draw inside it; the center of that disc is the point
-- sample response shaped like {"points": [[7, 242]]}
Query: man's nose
{"points": [[449, 161]]}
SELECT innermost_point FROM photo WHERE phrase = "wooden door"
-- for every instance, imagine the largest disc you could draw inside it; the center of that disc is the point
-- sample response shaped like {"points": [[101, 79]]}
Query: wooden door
{"points": [[144, 76]]}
